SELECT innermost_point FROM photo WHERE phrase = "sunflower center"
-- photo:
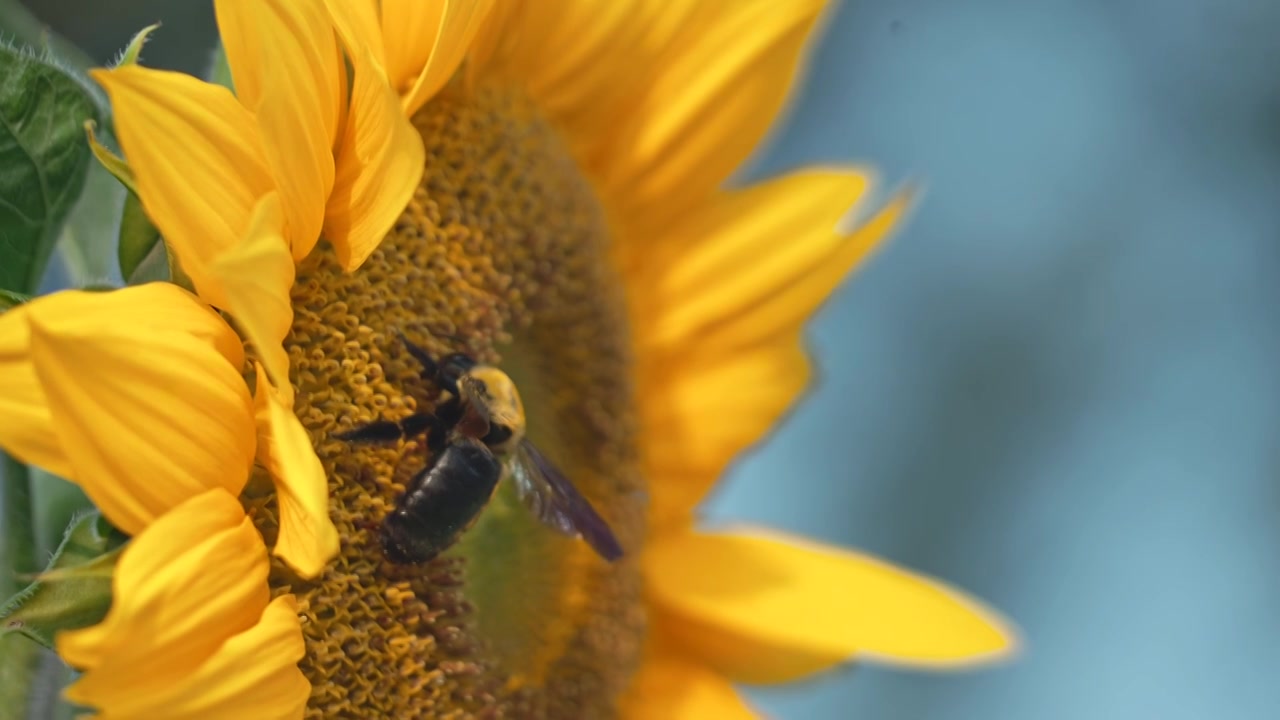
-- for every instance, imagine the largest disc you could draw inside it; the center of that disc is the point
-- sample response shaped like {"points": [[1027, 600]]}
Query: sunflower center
{"points": [[501, 254]]}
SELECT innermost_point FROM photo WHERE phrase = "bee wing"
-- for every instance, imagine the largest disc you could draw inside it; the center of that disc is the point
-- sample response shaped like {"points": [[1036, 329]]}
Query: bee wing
{"points": [[556, 502]]}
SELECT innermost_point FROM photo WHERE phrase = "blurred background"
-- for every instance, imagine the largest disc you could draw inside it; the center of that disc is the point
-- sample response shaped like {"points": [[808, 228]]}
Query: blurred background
{"points": [[1057, 388]]}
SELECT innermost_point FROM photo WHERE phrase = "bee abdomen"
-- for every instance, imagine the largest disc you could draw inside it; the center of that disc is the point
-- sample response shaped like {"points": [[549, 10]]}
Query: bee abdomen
{"points": [[441, 502]]}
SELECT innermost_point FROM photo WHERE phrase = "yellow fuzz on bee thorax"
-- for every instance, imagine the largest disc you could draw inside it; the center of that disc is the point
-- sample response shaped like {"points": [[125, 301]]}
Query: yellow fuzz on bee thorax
{"points": [[502, 254]]}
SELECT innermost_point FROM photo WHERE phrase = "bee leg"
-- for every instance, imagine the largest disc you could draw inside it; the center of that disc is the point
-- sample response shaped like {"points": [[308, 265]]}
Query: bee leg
{"points": [[388, 430], [444, 372], [419, 423], [431, 369]]}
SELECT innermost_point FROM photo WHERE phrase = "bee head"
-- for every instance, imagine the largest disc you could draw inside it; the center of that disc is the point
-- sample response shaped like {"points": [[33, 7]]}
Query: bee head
{"points": [[450, 369], [492, 393]]}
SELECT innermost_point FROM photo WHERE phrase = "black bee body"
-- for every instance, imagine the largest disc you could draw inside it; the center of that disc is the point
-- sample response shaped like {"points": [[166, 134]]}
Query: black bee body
{"points": [[441, 503]]}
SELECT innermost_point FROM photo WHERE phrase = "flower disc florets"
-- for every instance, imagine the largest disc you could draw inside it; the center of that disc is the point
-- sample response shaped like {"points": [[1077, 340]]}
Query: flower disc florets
{"points": [[502, 254]]}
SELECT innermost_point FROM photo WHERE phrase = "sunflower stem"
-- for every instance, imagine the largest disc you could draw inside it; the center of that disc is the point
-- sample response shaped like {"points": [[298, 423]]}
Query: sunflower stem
{"points": [[46, 703], [19, 657], [19, 663], [17, 553]]}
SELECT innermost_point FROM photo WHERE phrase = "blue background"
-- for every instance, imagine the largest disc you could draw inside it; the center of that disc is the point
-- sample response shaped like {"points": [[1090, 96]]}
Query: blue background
{"points": [[1057, 387]]}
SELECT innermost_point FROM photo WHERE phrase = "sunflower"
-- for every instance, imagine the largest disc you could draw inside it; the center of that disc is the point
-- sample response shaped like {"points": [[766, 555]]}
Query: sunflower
{"points": [[542, 186]]}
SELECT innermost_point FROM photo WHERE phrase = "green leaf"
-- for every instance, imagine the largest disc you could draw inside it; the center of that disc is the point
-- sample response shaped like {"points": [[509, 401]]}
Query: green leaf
{"points": [[9, 299], [43, 159], [75, 590]]}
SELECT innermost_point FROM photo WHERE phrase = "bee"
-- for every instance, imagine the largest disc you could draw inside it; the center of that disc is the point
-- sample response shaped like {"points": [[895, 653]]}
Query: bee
{"points": [[476, 437]]}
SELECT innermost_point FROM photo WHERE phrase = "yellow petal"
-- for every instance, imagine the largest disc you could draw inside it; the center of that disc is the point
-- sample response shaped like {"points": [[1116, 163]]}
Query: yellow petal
{"points": [[764, 607], [581, 62], [27, 432], [250, 670], [198, 160], [584, 35], [426, 41], [356, 22], [255, 674], [149, 410], [744, 250], [285, 62], [715, 93], [257, 276], [500, 32], [308, 538], [669, 686], [699, 416], [664, 20], [764, 319], [411, 29], [190, 580], [379, 156]]}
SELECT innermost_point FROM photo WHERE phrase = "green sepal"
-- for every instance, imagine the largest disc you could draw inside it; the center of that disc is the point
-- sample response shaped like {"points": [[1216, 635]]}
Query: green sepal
{"points": [[129, 56], [10, 299], [75, 590], [112, 162], [43, 160], [140, 243], [219, 72], [154, 267]]}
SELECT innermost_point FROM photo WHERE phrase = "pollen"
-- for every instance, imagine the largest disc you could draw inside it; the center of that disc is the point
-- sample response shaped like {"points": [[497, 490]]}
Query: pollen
{"points": [[502, 254]]}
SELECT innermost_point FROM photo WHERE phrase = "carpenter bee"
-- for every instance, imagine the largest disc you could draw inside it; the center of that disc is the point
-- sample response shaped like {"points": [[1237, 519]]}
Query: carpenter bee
{"points": [[476, 436]]}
